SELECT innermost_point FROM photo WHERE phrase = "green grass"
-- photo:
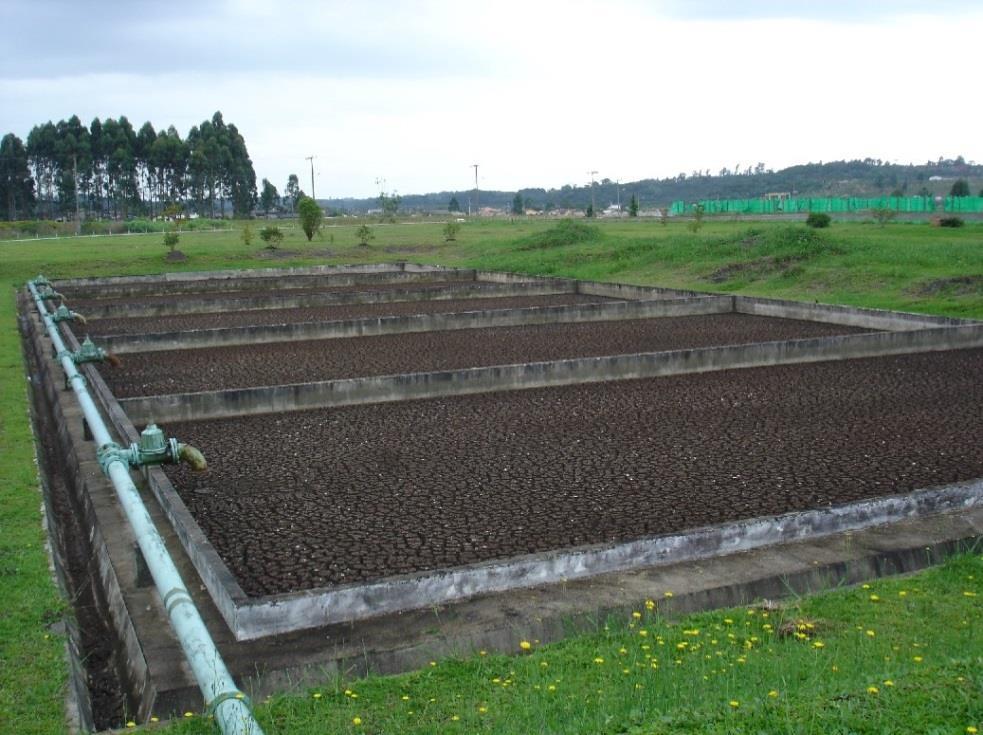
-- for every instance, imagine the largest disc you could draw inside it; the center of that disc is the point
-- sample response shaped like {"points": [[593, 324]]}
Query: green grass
{"points": [[901, 655], [912, 267]]}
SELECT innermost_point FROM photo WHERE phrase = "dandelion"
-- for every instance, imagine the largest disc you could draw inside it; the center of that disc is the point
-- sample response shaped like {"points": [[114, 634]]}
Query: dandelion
{"points": [[189, 714], [598, 660], [544, 664], [917, 659], [818, 644], [623, 651], [643, 633], [872, 690], [455, 718], [773, 694], [636, 615], [865, 586], [482, 710], [650, 604], [971, 729], [131, 723], [871, 634], [888, 683], [734, 703], [155, 718], [482, 653], [405, 697], [875, 598], [969, 593], [667, 594], [551, 688], [316, 695], [433, 663], [356, 721], [728, 621], [525, 645], [902, 593]]}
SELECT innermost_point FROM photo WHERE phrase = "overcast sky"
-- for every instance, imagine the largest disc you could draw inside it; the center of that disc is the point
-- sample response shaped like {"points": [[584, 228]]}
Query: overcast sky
{"points": [[537, 92]]}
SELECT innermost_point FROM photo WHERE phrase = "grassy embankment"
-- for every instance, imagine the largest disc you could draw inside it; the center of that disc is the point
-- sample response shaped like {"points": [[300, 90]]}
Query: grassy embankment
{"points": [[914, 267]]}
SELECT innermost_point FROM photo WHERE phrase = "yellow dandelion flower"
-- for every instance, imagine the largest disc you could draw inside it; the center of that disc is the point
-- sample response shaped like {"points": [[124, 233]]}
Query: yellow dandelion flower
{"points": [[623, 651], [835, 668], [969, 593], [405, 697], [971, 729], [865, 586], [643, 633], [818, 644], [348, 692], [455, 718], [482, 653], [872, 690], [875, 598], [734, 703], [155, 718], [433, 663], [482, 710], [917, 659], [888, 683], [871, 634], [189, 714], [525, 645], [356, 720], [773, 694], [650, 604], [902, 593], [598, 660], [637, 615], [131, 723], [551, 688], [544, 664], [317, 695], [667, 594]]}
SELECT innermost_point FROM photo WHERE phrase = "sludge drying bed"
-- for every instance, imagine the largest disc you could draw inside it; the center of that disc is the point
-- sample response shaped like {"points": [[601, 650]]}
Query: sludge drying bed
{"points": [[188, 371], [324, 498]]}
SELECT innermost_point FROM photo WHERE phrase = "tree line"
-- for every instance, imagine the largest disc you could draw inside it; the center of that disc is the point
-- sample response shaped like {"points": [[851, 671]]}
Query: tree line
{"points": [[109, 169]]}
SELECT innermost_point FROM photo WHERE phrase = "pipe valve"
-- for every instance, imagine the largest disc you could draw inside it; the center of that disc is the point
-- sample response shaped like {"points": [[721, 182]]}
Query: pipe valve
{"points": [[153, 449], [64, 314]]}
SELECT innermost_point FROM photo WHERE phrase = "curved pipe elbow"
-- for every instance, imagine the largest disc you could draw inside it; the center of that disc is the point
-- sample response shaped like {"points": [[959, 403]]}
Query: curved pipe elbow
{"points": [[192, 457]]}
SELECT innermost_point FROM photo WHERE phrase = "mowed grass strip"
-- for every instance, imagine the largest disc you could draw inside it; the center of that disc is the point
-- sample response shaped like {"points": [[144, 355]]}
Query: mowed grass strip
{"points": [[908, 266], [899, 655]]}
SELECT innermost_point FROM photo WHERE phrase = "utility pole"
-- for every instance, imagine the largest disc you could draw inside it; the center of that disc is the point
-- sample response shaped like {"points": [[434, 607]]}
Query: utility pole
{"points": [[75, 174], [311, 159], [477, 207], [618, 182], [593, 205]]}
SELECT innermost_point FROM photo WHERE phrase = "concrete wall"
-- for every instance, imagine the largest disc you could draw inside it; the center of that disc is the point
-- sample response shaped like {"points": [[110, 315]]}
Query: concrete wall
{"points": [[604, 311], [171, 282], [285, 613], [284, 300], [379, 389], [853, 316]]}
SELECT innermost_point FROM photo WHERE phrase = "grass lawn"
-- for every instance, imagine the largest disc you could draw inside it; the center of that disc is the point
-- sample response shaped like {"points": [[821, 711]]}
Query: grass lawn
{"points": [[903, 266]]}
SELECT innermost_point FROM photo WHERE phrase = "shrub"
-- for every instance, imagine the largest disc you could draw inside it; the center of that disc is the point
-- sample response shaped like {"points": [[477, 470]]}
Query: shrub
{"points": [[171, 239], [272, 236], [246, 235], [951, 222], [818, 220], [364, 234], [310, 215], [450, 231], [883, 215], [696, 223]]}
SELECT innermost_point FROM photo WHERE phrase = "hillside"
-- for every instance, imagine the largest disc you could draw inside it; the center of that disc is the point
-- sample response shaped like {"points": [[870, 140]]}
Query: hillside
{"points": [[868, 177]]}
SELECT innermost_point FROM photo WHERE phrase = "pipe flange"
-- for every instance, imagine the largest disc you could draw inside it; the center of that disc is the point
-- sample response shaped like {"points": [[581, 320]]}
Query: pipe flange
{"points": [[109, 453], [225, 697]]}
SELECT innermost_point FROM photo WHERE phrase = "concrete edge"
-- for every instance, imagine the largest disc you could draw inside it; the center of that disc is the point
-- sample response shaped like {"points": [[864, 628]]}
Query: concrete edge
{"points": [[854, 316], [375, 326], [280, 614], [436, 292], [412, 386]]}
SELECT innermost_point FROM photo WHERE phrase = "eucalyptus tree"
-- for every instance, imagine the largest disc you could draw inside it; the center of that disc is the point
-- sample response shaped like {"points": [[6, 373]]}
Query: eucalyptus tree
{"points": [[16, 183]]}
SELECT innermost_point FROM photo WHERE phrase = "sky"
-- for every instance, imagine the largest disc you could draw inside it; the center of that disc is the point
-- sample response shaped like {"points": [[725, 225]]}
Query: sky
{"points": [[406, 96]]}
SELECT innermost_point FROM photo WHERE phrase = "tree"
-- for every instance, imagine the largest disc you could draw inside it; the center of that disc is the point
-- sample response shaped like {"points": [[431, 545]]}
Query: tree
{"points": [[633, 206], [272, 236], [883, 215], [292, 192], [960, 188], [310, 217], [589, 212], [171, 239], [517, 206], [16, 184], [453, 206], [269, 197], [697, 222], [389, 203], [450, 231], [364, 234], [246, 235]]}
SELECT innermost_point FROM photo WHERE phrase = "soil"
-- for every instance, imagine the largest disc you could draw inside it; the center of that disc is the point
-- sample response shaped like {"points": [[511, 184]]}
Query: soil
{"points": [[147, 325], [175, 256], [328, 497], [955, 286], [278, 363]]}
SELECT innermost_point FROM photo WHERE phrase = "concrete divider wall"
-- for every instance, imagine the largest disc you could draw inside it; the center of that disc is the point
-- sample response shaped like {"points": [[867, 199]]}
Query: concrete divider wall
{"points": [[284, 613], [168, 279], [269, 283], [365, 327], [627, 291], [853, 316], [386, 388], [286, 301]]}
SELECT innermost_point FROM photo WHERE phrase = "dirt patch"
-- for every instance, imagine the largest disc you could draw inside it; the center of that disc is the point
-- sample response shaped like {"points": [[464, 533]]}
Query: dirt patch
{"points": [[175, 256], [281, 254], [955, 286], [753, 269], [410, 249]]}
